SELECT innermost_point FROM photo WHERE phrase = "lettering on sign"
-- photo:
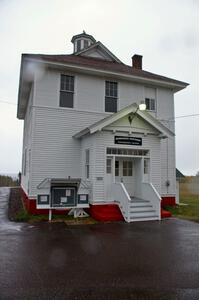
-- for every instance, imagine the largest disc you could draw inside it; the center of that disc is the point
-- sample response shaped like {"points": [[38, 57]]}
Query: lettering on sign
{"points": [[128, 140]]}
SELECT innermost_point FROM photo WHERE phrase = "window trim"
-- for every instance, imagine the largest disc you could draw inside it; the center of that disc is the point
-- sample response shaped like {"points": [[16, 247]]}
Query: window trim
{"points": [[108, 165], [67, 91], [111, 97], [87, 163], [150, 100]]}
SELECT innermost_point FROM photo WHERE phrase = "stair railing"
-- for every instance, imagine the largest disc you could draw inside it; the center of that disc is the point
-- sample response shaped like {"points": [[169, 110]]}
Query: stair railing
{"points": [[148, 192], [122, 197]]}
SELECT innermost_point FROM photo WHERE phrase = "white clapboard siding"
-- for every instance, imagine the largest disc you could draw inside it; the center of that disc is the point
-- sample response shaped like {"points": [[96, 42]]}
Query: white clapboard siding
{"points": [[55, 153], [27, 143], [48, 131], [168, 166]]}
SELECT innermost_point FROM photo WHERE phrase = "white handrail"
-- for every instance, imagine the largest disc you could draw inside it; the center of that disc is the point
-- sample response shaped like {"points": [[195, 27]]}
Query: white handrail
{"points": [[148, 192], [121, 196]]}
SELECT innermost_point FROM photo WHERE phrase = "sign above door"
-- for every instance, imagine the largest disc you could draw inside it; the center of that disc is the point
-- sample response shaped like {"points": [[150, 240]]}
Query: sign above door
{"points": [[128, 140]]}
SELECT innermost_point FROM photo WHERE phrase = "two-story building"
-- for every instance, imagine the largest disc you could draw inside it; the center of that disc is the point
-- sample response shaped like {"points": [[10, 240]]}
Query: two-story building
{"points": [[87, 141]]}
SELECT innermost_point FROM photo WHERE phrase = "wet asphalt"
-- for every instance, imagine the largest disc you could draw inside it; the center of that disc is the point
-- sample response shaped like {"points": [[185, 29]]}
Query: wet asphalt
{"points": [[145, 260]]}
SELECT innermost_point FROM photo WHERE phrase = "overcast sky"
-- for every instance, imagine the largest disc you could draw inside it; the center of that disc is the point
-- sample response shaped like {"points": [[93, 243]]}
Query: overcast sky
{"points": [[166, 33]]}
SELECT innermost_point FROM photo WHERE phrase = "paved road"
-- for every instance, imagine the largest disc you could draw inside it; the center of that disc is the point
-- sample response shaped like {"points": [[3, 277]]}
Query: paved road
{"points": [[147, 260]]}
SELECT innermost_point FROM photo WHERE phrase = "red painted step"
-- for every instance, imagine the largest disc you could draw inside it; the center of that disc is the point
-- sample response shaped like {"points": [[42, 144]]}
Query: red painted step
{"points": [[165, 213]]}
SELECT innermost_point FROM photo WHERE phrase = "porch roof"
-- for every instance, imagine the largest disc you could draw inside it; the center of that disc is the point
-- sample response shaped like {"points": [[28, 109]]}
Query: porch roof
{"points": [[133, 108]]}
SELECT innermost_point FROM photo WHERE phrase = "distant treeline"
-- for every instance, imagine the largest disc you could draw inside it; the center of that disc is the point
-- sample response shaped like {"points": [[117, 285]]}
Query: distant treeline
{"points": [[8, 181]]}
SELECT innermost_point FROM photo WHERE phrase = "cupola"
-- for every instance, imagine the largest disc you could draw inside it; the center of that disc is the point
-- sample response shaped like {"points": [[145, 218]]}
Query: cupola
{"points": [[82, 41]]}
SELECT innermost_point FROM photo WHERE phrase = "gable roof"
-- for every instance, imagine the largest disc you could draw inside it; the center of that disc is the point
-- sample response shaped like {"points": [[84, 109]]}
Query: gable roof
{"points": [[133, 108], [90, 65], [100, 46], [105, 65]]}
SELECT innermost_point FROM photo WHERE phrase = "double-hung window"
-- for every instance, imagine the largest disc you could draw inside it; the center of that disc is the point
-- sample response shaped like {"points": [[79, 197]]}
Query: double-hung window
{"points": [[66, 91], [150, 104], [150, 98], [111, 95], [87, 163]]}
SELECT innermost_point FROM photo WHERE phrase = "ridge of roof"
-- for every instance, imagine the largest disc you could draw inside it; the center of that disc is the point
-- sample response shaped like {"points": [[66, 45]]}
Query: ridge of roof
{"points": [[105, 65]]}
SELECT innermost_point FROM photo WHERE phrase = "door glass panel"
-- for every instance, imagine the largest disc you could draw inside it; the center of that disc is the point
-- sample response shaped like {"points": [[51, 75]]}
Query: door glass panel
{"points": [[130, 168], [127, 168]]}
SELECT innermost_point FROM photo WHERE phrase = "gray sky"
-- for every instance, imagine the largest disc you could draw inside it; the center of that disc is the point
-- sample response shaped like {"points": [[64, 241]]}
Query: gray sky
{"points": [[166, 33]]}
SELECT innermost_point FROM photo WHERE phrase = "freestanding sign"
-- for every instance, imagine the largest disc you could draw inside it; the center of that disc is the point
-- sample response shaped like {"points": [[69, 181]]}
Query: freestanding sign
{"points": [[128, 140]]}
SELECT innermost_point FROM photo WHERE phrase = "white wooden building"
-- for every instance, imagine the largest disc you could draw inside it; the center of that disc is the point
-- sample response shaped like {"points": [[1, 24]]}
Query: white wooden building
{"points": [[86, 142]]}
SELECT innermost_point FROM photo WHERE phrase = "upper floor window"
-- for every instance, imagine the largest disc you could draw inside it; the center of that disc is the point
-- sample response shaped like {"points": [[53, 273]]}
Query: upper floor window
{"points": [[150, 104], [150, 98], [66, 91], [111, 95]]}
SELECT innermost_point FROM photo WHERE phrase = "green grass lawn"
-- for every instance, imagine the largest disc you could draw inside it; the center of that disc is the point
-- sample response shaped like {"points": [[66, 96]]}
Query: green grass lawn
{"points": [[190, 211]]}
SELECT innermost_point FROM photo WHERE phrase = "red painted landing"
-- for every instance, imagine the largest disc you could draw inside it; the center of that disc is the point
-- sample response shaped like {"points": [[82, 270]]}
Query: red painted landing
{"points": [[109, 212]]}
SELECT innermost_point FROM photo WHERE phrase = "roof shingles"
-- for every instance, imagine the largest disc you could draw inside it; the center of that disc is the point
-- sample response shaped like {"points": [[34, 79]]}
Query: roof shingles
{"points": [[101, 64]]}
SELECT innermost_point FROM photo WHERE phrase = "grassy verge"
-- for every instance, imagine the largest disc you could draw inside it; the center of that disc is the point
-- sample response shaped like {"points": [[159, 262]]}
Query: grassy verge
{"points": [[189, 211], [18, 213], [24, 216]]}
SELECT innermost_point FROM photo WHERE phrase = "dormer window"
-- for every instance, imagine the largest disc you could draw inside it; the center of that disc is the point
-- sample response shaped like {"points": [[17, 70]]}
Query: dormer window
{"points": [[86, 44], [78, 45]]}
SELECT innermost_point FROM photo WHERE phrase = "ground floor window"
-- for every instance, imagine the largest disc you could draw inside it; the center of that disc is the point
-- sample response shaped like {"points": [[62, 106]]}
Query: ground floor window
{"points": [[87, 160], [109, 166]]}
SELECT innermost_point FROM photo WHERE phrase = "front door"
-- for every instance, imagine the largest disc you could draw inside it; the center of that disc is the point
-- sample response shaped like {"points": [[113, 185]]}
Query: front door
{"points": [[124, 173]]}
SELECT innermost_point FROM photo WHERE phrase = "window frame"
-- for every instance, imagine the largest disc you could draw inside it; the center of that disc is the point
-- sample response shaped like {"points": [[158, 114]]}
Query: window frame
{"points": [[70, 90], [150, 108], [111, 94], [87, 163], [146, 166], [108, 165]]}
